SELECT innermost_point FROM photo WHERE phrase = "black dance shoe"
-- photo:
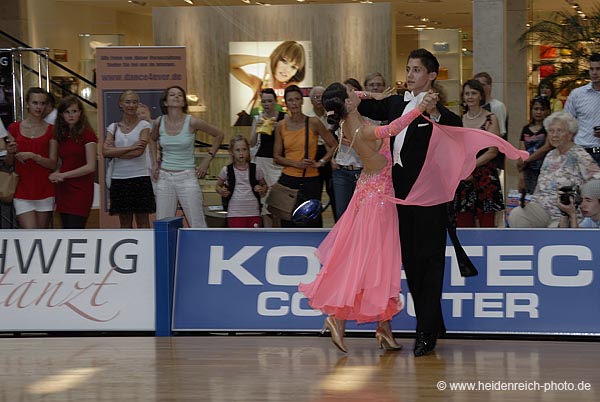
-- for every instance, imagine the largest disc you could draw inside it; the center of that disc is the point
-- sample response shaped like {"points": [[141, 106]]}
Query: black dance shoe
{"points": [[424, 343]]}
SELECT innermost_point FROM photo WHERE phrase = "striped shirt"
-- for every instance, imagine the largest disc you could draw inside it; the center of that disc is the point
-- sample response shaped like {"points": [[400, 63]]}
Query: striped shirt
{"points": [[584, 104]]}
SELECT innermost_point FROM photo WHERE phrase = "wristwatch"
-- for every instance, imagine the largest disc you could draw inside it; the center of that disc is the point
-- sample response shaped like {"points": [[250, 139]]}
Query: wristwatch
{"points": [[322, 162]]}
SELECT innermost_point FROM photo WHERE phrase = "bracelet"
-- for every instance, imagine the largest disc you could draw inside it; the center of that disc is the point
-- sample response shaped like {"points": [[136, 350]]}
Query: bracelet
{"points": [[322, 162], [212, 154]]}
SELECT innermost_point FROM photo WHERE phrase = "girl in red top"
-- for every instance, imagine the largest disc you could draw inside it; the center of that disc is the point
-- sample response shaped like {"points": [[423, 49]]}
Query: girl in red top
{"points": [[34, 158], [74, 180]]}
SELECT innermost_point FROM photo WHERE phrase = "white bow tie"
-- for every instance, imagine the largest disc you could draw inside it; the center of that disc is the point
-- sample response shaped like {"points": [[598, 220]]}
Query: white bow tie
{"points": [[408, 96]]}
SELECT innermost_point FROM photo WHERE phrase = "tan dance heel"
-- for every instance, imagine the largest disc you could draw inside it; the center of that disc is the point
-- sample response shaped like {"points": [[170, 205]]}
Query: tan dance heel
{"points": [[386, 341], [337, 335]]}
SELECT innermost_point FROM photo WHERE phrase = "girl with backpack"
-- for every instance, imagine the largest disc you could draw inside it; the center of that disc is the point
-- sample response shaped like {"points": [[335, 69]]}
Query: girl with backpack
{"points": [[241, 184]]}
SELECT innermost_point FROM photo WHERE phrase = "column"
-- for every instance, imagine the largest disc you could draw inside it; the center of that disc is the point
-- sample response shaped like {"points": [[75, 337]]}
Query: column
{"points": [[497, 25]]}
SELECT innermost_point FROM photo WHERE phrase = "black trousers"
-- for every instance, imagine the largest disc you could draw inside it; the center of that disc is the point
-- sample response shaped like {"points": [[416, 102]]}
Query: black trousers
{"points": [[423, 243]]}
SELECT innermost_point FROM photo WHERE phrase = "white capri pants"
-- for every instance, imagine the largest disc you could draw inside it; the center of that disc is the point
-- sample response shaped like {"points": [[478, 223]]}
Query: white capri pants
{"points": [[180, 186]]}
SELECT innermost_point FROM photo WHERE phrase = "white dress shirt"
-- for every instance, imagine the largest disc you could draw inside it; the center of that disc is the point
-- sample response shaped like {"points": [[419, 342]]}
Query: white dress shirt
{"points": [[413, 101]]}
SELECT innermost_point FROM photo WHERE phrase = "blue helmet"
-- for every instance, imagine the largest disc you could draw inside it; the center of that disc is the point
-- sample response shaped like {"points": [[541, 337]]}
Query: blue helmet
{"points": [[307, 211]]}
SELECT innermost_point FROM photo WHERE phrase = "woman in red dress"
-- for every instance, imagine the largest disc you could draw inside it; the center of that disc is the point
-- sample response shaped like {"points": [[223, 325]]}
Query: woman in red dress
{"points": [[74, 180], [35, 158]]}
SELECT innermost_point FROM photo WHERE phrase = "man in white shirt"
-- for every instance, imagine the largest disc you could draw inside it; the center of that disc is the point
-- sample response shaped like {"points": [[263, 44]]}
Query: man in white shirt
{"points": [[495, 106], [584, 103]]}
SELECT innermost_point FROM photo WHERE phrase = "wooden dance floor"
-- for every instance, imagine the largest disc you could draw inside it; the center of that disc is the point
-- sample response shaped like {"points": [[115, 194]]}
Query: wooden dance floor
{"points": [[293, 368]]}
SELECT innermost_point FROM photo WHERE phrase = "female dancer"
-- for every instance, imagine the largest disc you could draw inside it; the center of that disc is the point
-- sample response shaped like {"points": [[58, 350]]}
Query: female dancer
{"points": [[176, 172], [35, 159], [373, 283], [131, 193], [74, 181]]}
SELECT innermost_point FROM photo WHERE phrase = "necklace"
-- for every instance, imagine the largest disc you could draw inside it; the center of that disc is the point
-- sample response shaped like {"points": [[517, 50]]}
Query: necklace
{"points": [[33, 129], [128, 127], [474, 117], [353, 137]]}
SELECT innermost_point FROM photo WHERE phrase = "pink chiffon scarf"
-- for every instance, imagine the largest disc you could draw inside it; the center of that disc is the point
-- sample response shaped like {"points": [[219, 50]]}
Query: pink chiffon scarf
{"points": [[451, 157]]}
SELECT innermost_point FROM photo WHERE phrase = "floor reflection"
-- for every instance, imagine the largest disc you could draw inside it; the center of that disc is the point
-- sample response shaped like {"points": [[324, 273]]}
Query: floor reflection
{"points": [[285, 369]]}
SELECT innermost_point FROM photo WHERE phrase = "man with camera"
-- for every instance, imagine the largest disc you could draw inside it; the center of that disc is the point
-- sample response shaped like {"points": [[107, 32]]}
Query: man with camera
{"points": [[588, 201]]}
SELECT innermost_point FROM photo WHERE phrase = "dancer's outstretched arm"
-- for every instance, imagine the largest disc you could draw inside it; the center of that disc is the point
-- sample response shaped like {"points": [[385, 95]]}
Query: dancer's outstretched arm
{"points": [[395, 127]]}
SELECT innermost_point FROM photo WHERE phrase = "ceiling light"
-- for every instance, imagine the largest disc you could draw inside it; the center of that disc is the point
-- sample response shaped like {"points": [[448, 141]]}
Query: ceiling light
{"points": [[189, 2], [246, 1], [137, 3]]}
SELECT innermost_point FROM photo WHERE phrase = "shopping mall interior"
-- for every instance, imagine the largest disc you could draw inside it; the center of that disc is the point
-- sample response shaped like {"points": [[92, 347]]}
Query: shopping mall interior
{"points": [[348, 39]]}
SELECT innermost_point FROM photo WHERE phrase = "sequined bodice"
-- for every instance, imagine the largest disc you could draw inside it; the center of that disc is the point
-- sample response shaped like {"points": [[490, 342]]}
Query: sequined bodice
{"points": [[372, 187]]}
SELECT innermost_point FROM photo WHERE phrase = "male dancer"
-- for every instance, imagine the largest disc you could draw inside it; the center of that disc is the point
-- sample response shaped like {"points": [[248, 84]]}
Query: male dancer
{"points": [[422, 229]]}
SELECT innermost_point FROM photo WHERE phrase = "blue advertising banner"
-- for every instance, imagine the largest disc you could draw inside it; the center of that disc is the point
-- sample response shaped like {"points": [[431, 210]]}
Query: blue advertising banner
{"points": [[530, 282]]}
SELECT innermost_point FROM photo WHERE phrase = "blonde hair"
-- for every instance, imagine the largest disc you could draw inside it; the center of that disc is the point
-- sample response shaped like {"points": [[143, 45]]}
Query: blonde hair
{"points": [[237, 138], [127, 93]]}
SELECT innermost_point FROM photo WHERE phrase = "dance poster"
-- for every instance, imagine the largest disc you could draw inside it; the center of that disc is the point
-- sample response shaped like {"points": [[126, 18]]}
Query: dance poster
{"points": [[254, 66], [148, 70]]}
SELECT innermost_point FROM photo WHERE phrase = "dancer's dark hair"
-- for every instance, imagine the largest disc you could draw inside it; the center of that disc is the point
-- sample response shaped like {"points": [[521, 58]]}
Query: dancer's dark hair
{"points": [[353, 82], [334, 102]]}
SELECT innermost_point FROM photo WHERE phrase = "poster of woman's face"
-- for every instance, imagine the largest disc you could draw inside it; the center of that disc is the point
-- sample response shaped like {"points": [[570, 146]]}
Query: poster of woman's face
{"points": [[258, 65]]}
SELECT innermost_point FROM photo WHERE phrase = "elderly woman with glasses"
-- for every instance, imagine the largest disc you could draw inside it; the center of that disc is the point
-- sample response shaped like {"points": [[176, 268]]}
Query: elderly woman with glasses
{"points": [[567, 164]]}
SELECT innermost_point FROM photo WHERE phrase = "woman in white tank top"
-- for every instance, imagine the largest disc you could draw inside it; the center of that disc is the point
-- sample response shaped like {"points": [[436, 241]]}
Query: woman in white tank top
{"points": [[175, 172]]}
